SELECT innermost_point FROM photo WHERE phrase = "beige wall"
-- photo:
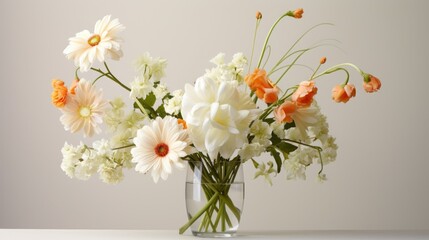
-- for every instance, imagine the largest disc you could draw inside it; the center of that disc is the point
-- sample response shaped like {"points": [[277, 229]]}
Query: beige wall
{"points": [[380, 179]]}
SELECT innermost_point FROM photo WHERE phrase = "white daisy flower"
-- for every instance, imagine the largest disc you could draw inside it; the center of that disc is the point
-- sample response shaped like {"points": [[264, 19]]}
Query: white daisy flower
{"points": [[159, 146], [84, 110], [85, 47]]}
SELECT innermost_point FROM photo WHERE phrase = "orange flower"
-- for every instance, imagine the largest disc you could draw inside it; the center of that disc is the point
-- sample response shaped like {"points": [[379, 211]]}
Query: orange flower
{"points": [[258, 15], [342, 93], [323, 60], [303, 96], [284, 112], [298, 13], [59, 94], [371, 84], [262, 86], [183, 122], [73, 86], [271, 95]]}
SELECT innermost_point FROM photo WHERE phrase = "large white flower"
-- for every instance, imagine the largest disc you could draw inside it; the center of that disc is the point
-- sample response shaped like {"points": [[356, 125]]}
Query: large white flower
{"points": [[84, 110], [160, 145], [85, 47], [217, 115]]}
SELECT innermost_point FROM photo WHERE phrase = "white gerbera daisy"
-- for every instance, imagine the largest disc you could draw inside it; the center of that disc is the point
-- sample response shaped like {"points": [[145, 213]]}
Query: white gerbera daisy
{"points": [[84, 110], [86, 46], [160, 145]]}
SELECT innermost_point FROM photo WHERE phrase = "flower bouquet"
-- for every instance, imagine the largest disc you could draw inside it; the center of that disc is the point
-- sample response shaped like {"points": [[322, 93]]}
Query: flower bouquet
{"points": [[227, 117]]}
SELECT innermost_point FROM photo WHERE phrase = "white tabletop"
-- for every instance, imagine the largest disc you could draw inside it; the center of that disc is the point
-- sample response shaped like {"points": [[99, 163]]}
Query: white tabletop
{"points": [[51, 234]]}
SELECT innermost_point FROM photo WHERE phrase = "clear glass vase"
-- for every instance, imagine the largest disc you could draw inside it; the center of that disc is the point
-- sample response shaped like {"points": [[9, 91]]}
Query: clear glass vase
{"points": [[214, 197]]}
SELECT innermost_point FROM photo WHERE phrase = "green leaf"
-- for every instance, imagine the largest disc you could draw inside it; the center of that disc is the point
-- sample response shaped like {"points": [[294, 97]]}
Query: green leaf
{"points": [[161, 111], [255, 163], [274, 139], [289, 125], [277, 158], [286, 147], [150, 99], [269, 120]]}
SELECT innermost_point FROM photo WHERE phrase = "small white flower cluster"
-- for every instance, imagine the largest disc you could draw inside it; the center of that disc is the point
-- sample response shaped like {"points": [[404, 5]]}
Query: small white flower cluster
{"points": [[82, 162], [151, 68], [173, 105], [150, 71], [303, 156], [265, 170], [105, 157], [261, 133], [231, 71]]}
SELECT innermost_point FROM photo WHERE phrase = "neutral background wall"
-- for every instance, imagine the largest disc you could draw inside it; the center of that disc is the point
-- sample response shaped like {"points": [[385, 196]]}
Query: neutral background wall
{"points": [[380, 179]]}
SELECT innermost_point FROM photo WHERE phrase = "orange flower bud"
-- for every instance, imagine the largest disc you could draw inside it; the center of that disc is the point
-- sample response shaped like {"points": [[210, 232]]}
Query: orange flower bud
{"points": [[183, 122], [323, 60], [342, 93], [373, 84], [284, 112], [258, 15], [59, 94], [298, 13], [303, 96], [259, 82]]}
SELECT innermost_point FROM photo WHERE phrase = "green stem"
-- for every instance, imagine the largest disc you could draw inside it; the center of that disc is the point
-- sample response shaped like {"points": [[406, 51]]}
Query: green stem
{"points": [[268, 38], [338, 67], [253, 44], [110, 75], [75, 73], [304, 144], [296, 42], [127, 146], [199, 213], [315, 71]]}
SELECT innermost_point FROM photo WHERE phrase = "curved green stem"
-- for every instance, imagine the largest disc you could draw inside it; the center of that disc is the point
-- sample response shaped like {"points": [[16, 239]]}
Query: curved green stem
{"points": [[296, 42], [253, 44], [268, 38], [76, 74], [336, 67], [110, 75]]}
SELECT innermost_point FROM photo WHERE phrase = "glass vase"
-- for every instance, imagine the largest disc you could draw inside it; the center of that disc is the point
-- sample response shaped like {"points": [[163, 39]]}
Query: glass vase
{"points": [[214, 197]]}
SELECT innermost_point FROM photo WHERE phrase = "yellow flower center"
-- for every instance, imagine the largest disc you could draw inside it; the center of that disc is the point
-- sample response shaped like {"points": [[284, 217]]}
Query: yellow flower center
{"points": [[85, 112], [161, 149], [94, 40]]}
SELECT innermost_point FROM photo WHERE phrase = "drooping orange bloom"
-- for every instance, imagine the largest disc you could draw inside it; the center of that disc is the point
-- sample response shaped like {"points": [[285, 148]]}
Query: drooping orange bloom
{"points": [[259, 82], [271, 95], [59, 94], [373, 84], [183, 122], [342, 93], [303, 96], [73, 86], [298, 13], [284, 112]]}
